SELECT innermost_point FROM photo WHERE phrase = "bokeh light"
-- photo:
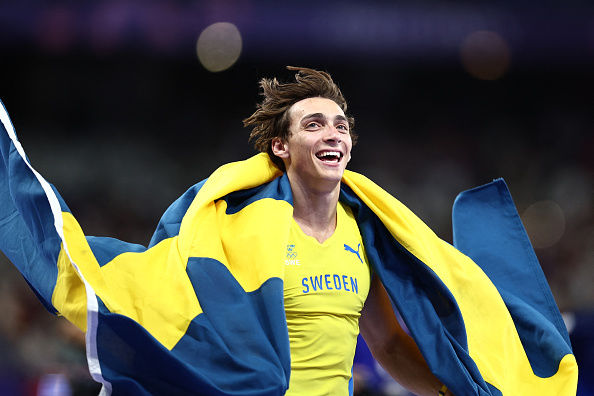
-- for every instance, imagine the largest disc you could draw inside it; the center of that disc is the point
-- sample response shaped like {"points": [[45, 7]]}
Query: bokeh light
{"points": [[485, 55], [219, 46], [544, 222]]}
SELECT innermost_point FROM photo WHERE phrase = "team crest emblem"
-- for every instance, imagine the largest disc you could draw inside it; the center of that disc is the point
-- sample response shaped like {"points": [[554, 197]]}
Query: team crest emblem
{"points": [[291, 254]]}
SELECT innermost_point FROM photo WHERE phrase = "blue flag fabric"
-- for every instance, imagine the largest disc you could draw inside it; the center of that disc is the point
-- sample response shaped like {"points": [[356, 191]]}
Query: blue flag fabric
{"points": [[200, 310], [485, 217]]}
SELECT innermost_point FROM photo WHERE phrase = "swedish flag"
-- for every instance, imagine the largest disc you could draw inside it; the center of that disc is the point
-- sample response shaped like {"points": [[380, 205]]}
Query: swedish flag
{"points": [[200, 309]]}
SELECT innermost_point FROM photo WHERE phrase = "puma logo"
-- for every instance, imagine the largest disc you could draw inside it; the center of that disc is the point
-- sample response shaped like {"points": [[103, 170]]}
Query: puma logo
{"points": [[350, 249]]}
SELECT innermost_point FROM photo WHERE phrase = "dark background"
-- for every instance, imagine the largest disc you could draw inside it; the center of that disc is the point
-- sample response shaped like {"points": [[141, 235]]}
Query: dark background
{"points": [[115, 109]]}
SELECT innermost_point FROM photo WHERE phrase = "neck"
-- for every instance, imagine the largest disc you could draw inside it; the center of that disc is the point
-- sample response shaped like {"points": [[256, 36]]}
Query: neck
{"points": [[315, 212]]}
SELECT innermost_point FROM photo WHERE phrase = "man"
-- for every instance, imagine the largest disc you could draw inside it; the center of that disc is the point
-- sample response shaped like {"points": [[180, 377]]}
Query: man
{"points": [[254, 279], [313, 139]]}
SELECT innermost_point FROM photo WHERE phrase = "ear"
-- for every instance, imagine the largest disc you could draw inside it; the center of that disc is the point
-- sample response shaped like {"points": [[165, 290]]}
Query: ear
{"points": [[280, 148]]}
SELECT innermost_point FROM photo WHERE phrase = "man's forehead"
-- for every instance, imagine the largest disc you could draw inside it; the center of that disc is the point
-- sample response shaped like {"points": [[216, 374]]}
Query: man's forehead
{"points": [[318, 106]]}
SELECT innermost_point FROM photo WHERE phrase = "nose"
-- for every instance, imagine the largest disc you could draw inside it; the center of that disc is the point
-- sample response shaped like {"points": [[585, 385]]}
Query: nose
{"points": [[332, 134]]}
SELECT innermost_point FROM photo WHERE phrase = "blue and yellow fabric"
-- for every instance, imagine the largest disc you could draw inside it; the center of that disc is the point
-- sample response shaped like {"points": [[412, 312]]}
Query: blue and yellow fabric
{"points": [[200, 309]]}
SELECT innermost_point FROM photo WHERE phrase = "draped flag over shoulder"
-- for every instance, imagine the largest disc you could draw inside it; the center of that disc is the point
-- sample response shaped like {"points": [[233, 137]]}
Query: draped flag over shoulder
{"points": [[200, 310], [489, 327]]}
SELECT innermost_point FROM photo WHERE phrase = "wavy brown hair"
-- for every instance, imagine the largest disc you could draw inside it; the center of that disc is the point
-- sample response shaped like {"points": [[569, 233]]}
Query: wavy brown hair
{"points": [[272, 118]]}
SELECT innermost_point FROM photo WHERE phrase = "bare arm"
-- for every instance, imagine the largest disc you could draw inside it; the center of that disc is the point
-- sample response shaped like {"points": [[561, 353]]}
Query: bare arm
{"points": [[395, 350]]}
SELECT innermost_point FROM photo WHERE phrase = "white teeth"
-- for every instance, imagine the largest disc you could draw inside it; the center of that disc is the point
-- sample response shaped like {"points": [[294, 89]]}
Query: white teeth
{"points": [[329, 154]]}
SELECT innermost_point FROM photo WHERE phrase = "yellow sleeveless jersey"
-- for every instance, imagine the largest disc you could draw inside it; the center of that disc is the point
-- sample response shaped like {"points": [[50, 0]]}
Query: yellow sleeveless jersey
{"points": [[326, 285]]}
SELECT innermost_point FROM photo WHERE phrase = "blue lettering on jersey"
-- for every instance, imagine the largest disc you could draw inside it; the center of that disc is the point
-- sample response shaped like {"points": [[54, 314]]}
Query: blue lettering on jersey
{"points": [[354, 285], [305, 285], [337, 285], [316, 282], [330, 282], [328, 287]]}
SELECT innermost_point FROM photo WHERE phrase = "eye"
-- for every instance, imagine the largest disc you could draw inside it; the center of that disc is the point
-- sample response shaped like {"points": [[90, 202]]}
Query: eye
{"points": [[312, 125], [342, 127]]}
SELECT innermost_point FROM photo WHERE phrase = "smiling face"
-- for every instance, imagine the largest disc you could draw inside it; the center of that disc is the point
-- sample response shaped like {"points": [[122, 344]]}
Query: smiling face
{"points": [[319, 144]]}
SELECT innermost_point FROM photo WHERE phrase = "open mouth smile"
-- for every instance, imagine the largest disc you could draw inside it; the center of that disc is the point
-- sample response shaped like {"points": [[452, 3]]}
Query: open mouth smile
{"points": [[330, 156]]}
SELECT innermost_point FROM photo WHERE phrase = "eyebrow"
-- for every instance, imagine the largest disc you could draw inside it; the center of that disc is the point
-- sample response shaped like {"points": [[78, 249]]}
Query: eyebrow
{"points": [[320, 115]]}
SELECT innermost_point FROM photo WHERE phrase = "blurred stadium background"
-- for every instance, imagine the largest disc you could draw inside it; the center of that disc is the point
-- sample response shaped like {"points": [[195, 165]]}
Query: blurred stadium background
{"points": [[123, 105]]}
